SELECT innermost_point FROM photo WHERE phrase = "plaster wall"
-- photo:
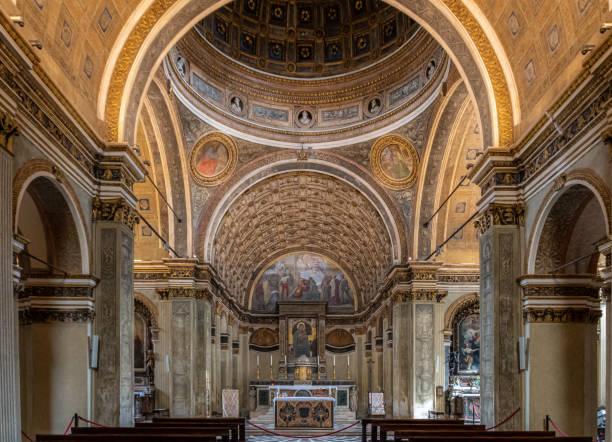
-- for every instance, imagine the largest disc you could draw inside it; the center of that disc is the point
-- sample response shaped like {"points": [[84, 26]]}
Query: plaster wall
{"points": [[563, 376], [54, 375]]}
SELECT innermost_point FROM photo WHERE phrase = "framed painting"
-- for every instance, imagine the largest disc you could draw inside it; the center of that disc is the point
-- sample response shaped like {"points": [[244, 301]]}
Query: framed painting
{"points": [[394, 161], [302, 333], [213, 159]]}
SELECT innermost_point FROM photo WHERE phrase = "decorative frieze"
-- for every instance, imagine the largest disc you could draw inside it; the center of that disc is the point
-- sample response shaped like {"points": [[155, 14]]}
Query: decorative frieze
{"points": [[566, 315], [500, 215], [182, 292], [434, 295], [115, 210], [30, 316]]}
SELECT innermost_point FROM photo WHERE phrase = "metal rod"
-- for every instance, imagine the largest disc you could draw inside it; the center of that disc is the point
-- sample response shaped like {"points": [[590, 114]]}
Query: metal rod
{"points": [[166, 244], [426, 223], [452, 234], [574, 261], [51, 266], [163, 197]]}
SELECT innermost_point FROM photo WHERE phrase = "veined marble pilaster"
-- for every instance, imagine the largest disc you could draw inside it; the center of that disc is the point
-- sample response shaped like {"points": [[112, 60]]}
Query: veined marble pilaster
{"points": [[500, 228], [606, 249], [10, 407], [113, 401], [415, 294]]}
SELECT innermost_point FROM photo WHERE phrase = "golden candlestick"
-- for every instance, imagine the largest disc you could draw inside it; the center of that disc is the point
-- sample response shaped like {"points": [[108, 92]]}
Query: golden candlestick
{"points": [[257, 371], [271, 375], [334, 373]]}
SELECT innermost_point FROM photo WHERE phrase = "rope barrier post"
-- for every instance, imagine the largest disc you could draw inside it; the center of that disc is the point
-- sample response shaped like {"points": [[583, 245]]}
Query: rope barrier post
{"points": [[547, 423], [76, 420]]}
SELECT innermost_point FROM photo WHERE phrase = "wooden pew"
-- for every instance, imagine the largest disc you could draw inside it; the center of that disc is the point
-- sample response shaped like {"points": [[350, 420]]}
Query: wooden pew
{"points": [[236, 424], [221, 431], [491, 438], [408, 435], [126, 438], [386, 427], [374, 422]]}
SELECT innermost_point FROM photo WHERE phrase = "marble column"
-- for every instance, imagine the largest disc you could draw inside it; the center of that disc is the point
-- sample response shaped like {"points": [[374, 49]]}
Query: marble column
{"points": [[501, 252], [439, 349], [10, 415], [403, 320], [187, 316], [113, 381], [561, 313], [378, 364]]}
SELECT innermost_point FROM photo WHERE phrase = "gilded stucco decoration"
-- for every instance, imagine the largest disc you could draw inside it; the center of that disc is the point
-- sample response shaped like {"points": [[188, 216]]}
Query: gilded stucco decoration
{"points": [[302, 212], [394, 161], [155, 12], [213, 159]]}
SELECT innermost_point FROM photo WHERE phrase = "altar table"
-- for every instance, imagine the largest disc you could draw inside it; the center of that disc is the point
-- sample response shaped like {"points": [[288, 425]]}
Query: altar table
{"points": [[305, 412]]}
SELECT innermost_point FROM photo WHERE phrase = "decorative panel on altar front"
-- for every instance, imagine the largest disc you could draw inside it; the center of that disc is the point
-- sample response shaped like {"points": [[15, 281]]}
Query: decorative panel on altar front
{"points": [[315, 413]]}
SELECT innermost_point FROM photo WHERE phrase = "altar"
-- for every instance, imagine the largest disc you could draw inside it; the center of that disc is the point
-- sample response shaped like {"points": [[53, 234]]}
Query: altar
{"points": [[304, 412]]}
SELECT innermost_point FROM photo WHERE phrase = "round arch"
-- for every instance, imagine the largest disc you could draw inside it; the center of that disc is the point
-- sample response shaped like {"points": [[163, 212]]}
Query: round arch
{"points": [[458, 25], [43, 168], [584, 177], [285, 162]]}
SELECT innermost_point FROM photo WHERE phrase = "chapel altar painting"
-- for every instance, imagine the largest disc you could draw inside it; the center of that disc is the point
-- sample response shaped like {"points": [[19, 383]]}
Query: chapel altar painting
{"points": [[302, 338], [468, 341], [302, 277]]}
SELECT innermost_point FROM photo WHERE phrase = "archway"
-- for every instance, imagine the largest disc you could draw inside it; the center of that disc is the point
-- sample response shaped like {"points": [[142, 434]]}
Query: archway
{"points": [[561, 304], [56, 305]]}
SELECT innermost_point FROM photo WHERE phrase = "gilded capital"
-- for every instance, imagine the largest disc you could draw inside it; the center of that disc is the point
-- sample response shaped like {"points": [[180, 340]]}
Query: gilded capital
{"points": [[115, 210], [8, 130], [500, 215]]}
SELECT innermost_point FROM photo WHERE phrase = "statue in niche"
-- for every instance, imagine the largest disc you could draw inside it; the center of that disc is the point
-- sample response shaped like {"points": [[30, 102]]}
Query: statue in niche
{"points": [[353, 404], [305, 118], [150, 365]]}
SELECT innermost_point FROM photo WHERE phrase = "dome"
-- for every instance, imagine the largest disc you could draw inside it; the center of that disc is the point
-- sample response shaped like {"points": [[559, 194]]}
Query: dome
{"points": [[307, 38], [263, 70]]}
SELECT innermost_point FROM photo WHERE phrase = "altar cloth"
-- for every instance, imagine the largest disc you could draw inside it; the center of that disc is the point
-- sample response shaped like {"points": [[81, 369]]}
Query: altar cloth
{"points": [[304, 412]]}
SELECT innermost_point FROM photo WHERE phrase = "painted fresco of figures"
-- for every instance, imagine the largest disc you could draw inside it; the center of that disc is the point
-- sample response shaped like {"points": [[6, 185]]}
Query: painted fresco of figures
{"points": [[469, 344], [302, 277]]}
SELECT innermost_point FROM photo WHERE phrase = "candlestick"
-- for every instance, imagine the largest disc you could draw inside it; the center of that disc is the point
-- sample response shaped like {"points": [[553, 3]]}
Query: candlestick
{"points": [[285, 359], [334, 360], [334, 373], [348, 367]]}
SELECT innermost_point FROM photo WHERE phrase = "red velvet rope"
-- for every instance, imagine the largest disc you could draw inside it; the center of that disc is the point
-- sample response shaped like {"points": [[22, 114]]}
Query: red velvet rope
{"points": [[69, 425], [561, 432], [90, 422], [475, 412], [301, 437], [26, 436], [505, 420]]}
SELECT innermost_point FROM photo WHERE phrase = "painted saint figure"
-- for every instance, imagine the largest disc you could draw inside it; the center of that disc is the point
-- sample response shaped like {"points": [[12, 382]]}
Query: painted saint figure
{"points": [[212, 159]]}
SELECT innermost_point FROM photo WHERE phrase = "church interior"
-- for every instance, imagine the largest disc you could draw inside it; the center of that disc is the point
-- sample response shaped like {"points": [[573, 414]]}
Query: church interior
{"points": [[263, 219]]}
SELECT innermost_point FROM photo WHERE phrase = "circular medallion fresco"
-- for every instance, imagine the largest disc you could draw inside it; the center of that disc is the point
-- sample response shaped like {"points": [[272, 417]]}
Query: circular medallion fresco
{"points": [[213, 159], [394, 161]]}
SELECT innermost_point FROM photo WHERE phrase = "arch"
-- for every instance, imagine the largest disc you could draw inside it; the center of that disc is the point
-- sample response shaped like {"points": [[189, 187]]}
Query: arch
{"points": [[584, 177], [285, 162], [463, 31], [146, 308], [469, 301], [38, 168], [339, 341]]}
